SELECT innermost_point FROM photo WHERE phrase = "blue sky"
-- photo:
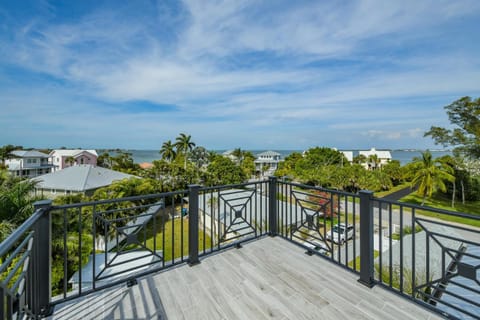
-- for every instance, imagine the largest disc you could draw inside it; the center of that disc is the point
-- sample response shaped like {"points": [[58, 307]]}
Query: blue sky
{"points": [[250, 74]]}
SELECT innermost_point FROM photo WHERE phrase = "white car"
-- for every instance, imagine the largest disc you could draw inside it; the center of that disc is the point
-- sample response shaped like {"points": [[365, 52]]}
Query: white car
{"points": [[340, 233]]}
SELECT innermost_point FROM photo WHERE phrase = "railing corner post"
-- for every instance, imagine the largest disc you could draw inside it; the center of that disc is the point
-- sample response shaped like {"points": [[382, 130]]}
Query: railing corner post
{"points": [[41, 261], [366, 238], [193, 224], [272, 206]]}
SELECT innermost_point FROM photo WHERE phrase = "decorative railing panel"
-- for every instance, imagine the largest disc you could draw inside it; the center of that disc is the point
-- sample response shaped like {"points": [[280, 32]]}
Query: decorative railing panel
{"points": [[311, 216], [424, 256]]}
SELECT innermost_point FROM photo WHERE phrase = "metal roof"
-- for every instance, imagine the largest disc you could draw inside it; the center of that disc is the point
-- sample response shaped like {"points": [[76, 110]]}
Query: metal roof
{"points": [[382, 154], [268, 154], [30, 154], [71, 152], [80, 178]]}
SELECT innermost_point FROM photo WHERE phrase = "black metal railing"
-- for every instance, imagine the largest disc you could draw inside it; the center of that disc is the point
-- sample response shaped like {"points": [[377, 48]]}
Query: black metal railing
{"points": [[310, 217], [419, 252], [95, 245], [423, 255], [24, 267]]}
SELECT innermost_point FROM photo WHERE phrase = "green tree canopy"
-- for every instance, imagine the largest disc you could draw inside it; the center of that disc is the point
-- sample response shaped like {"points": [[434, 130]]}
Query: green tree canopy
{"points": [[199, 156], [123, 162], [395, 171], [223, 171], [464, 115], [321, 156], [104, 160]]}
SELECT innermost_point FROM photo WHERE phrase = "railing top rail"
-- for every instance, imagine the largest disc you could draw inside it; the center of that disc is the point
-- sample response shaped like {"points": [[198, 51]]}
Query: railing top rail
{"points": [[305, 186], [16, 235], [230, 186], [132, 198], [431, 209]]}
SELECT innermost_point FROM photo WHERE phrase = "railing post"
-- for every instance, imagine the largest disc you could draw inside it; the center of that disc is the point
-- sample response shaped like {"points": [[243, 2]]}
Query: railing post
{"points": [[272, 206], [41, 261], [193, 225], [366, 238]]}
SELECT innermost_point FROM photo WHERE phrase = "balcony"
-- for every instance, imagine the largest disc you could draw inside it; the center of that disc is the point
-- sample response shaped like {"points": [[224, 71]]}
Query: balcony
{"points": [[256, 250]]}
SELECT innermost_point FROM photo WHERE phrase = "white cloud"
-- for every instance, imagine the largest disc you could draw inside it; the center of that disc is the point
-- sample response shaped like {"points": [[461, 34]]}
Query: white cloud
{"points": [[325, 65]]}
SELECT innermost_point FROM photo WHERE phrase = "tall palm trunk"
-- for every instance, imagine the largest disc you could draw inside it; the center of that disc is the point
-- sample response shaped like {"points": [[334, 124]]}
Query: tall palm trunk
{"points": [[453, 195], [424, 198]]}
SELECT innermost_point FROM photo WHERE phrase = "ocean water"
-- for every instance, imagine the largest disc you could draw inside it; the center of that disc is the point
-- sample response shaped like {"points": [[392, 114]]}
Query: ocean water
{"points": [[404, 156]]}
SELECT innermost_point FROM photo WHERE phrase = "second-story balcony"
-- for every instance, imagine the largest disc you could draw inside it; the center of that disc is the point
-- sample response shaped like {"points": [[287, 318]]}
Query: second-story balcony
{"points": [[269, 249]]}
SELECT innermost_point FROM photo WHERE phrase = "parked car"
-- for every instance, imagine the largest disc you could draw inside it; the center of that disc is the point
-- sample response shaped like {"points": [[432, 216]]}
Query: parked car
{"points": [[340, 233]]}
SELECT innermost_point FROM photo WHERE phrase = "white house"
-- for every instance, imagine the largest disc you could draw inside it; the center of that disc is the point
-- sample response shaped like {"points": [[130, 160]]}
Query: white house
{"points": [[384, 157], [61, 157], [29, 163], [348, 155], [229, 154], [268, 160]]}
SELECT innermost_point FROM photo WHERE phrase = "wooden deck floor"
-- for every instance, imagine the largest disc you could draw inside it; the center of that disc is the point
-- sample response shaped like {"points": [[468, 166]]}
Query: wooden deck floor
{"points": [[267, 278]]}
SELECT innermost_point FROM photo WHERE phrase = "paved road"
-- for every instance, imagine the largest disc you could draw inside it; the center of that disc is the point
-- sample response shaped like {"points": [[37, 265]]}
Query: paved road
{"points": [[397, 195]]}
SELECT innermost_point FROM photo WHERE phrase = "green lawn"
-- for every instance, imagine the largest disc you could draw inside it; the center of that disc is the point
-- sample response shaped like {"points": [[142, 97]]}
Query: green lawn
{"points": [[376, 253], [442, 202], [173, 238]]}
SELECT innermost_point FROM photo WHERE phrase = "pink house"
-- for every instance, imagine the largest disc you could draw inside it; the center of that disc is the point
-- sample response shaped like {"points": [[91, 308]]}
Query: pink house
{"points": [[65, 158]]}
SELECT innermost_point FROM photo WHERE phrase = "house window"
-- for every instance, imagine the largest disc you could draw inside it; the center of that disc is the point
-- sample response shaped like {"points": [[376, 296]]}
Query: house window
{"points": [[81, 160], [29, 160], [58, 159]]}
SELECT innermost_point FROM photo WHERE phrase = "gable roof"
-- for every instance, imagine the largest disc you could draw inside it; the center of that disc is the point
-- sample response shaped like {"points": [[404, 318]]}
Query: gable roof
{"points": [[80, 178], [30, 154], [268, 154], [382, 154], [72, 152]]}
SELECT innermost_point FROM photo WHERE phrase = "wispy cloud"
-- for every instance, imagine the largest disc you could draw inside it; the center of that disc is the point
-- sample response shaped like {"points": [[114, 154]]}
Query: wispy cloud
{"points": [[248, 73]]}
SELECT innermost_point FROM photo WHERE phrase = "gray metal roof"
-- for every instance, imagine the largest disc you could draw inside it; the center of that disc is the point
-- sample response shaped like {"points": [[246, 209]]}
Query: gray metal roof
{"points": [[30, 154], [268, 154], [80, 178], [435, 254]]}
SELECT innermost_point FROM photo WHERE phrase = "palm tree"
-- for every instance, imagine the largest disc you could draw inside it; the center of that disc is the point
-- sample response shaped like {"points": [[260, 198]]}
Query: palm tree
{"points": [[238, 154], [430, 175], [104, 160], [360, 159], [16, 200], [6, 152], [168, 151], [373, 161], [184, 145], [70, 160]]}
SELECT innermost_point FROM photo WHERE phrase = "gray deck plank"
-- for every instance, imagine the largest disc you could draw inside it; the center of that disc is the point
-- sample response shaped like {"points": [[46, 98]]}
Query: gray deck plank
{"points": [[269, 278]]}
